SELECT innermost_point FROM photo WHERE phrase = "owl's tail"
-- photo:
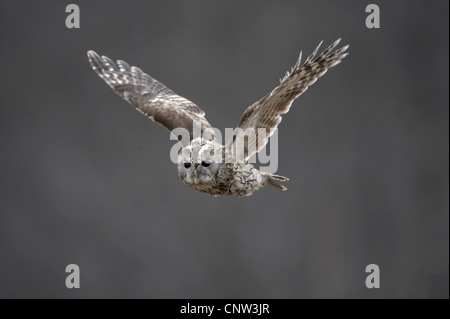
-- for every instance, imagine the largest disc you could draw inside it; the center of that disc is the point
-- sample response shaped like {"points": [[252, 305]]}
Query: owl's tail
{"points": [[272, 177]]}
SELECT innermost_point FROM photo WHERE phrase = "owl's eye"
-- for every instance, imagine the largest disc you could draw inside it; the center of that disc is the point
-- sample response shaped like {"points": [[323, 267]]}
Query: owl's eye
{"points": [[187, 165], [205, 164]]}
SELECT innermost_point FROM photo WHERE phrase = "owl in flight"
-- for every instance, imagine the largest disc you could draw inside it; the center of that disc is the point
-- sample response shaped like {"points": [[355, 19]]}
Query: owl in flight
{"points": [[203, 162]]}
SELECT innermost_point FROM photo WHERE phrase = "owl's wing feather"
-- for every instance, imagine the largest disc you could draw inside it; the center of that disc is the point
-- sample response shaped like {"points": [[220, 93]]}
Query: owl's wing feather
{"points": [[266, 113], [148, 95]]}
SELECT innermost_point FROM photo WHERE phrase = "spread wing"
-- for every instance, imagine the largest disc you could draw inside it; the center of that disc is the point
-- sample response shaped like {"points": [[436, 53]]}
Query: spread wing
{"points": [[266, 113], [148, 95]]}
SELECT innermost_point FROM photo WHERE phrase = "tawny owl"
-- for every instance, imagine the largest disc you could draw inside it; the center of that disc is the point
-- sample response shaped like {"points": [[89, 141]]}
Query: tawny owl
{"points": [[203, 162]]}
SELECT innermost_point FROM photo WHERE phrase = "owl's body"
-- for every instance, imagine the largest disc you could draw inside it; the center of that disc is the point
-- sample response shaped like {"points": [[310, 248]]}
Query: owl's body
{"points": [[203, 163], [207, 166]]}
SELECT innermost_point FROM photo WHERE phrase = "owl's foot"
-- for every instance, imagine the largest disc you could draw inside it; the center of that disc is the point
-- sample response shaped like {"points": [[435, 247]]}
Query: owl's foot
{"points": [[271, 177]]}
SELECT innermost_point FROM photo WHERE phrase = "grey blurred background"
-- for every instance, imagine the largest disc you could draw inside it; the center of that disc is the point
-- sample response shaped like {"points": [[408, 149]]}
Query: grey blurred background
{"points": [[85, 179]]}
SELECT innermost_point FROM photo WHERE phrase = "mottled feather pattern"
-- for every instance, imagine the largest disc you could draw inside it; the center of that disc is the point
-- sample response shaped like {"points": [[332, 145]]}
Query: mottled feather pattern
{"points": [[266, 113], [203, 163], [148, 95]]}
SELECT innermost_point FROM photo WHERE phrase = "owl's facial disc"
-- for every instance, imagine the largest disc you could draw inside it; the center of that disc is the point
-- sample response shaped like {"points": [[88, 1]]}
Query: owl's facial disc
{"points": [[197, 163]]}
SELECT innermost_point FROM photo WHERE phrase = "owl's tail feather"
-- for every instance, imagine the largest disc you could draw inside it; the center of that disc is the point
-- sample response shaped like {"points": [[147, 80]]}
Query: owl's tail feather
{"points": [[270, 178]]}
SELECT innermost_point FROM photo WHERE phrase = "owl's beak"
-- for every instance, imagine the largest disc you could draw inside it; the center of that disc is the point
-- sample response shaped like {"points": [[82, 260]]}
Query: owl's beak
{"points": [[195, 171]]}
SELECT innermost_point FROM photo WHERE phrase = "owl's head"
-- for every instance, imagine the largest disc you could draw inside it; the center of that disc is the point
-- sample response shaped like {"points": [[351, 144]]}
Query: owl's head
{"points": [[199, 162]]}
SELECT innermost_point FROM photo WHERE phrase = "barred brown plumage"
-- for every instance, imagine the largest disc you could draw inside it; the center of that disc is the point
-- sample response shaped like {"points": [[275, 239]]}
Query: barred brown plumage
{"points": [[216, 170], [147, 95], [266, 113]]}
